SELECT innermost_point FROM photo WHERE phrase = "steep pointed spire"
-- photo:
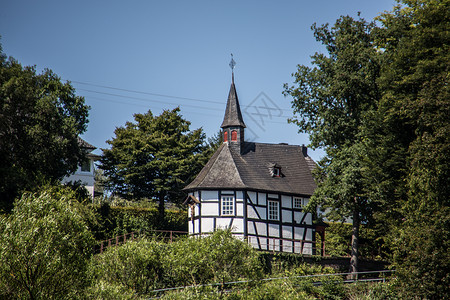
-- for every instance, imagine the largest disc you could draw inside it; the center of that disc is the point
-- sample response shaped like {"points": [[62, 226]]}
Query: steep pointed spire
{"points": [[233, 116]]}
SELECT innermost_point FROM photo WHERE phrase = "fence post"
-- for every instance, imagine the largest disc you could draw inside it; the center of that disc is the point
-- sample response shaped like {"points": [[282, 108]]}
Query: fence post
{"points": [[171, 236], [101, 248]]}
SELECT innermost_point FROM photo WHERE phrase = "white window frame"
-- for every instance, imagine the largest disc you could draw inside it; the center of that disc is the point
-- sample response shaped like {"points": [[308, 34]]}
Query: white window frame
{"points": [[273, 210], [301, 201], [227, 205]]}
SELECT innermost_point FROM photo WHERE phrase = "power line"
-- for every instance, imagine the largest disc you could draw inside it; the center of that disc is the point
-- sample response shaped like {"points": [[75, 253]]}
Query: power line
{"points": [[147, 93], [154, 94], [189, 111]]}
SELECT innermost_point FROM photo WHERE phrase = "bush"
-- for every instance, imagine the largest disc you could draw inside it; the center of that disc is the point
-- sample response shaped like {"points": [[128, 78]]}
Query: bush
{"points": [[118, 220], [216, 258], [45, 244], [144, 265], [136, 265]]}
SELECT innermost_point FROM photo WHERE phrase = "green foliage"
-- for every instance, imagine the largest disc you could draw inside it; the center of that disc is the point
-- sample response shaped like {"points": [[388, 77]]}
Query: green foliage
{"points": [[110, 291], [338, 235], [375, 291], [136, 265], [154, 158], [332, 102], [416, 44], [146, 264], [45, 244], [421, 255], [118, 220], [378, 103], [41, 118], [216, 258]]}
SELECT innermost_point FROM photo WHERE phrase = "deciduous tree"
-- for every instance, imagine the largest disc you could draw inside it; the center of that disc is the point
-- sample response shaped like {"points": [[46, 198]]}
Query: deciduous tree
{"points": [[40, 120], [331, 102], [415, 77]]}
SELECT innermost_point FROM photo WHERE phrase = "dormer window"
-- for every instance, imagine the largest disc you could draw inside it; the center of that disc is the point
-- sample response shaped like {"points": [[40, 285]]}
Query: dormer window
{"points": [[275, 170]]}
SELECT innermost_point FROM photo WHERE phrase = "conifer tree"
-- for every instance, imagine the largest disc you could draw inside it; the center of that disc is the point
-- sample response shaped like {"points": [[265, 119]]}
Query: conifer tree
{"points": [[154, 157]]}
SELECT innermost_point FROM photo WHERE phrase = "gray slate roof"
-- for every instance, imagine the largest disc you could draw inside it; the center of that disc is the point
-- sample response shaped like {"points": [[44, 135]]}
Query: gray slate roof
{"points": [[83, 144], [233, 116], [228, 169]]}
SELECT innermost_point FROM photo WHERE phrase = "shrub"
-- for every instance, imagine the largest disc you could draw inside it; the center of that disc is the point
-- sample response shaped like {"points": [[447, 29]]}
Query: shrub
{"points": [[219, 257], [44, 247], [136, 265]]}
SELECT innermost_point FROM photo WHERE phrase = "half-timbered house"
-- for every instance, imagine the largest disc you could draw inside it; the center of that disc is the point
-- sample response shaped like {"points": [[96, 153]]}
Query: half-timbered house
{"points": [[256, 189]]}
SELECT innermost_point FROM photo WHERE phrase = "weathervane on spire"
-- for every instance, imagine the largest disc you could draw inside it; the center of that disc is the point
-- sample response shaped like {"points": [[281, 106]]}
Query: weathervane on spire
{"points": [[232, 63]]}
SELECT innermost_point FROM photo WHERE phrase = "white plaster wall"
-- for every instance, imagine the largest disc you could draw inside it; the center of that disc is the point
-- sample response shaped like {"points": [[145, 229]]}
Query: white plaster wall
{"points": [[287, 232], [209, 195], [261, 199], [286, 201], [210, 209], [207, 225], [273, 244], [252, 196], [298, 233], [240, 209], [287, 246], [250, 228], [298, 217], [261, 228], [307, 247], [197, 210], [308, 219], [272, 196], [274, 230], [262, 212], [196, 227], [238, 225], [286, 215], [223, 223], [251, 213]]}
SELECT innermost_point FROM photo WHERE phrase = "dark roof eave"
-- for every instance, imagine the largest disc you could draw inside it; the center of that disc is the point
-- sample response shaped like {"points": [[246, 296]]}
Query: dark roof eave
{"points": [[247, 189]]}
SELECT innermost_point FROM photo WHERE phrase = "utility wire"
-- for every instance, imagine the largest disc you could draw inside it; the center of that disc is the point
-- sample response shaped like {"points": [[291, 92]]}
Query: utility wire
{"points": [[152, 94]]}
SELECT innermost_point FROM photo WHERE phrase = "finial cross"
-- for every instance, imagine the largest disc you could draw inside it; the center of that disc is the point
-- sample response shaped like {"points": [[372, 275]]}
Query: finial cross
{"points": [[232, 63]]}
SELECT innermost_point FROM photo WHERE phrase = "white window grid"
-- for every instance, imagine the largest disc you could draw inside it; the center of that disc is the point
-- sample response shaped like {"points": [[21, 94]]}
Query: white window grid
{"points": [[273, 207], [300, 202], [227, 205]]}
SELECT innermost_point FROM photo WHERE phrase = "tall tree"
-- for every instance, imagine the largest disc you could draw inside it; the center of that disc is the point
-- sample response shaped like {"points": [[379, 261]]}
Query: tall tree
{"points": [[331, 102], [415, 76], [40, 120], [155, 157]]}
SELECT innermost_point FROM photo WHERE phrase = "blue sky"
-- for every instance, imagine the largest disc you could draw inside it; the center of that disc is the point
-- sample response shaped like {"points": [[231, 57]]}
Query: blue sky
{"points": [[127, 57]]}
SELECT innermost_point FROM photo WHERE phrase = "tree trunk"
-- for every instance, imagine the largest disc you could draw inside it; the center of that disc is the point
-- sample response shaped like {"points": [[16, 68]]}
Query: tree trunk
{"points": [[161, 209], [355, 245]]}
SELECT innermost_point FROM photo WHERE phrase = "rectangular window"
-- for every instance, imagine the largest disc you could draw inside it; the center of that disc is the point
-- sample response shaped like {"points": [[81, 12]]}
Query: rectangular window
{"points": [[227, 205], [86, 166], [300, 202], [273, 210]]}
